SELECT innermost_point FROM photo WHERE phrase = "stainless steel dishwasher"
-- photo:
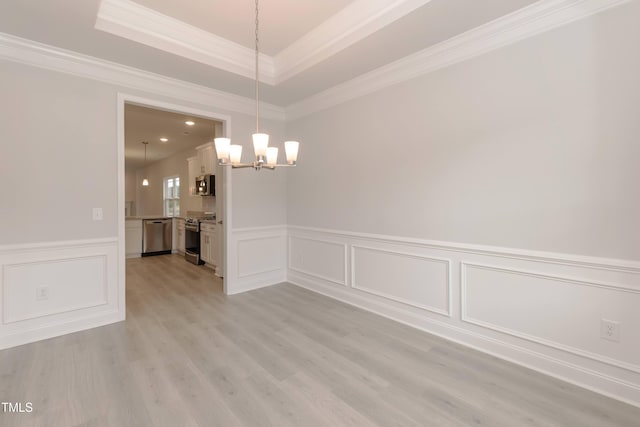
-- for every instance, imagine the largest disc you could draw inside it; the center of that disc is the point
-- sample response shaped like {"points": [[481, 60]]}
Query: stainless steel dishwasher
{"points": [[156, 237]]}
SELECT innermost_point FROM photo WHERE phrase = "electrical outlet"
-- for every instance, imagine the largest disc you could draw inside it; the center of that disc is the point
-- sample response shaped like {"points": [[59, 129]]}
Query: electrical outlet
{"points": [[42, 293], [97, 214], [610, 330]]}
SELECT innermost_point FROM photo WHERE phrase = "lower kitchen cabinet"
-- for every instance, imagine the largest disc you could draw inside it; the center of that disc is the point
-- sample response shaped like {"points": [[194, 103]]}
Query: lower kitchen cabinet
{"points": [[133, 238], [179, 240], [208, 243]]}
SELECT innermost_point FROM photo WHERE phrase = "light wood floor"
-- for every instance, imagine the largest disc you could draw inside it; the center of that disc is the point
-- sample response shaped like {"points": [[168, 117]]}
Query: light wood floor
{"points": [[280, 356]]}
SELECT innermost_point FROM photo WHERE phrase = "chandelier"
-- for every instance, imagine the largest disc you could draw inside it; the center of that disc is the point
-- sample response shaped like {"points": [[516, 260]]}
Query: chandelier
{"points": [[265, 156]]}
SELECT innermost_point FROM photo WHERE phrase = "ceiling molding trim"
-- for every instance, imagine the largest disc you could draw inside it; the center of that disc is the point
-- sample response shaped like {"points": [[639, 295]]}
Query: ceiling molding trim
{"points": [[355, 22], [358, 20], [537, 18], [40, 55], [135, 22]]}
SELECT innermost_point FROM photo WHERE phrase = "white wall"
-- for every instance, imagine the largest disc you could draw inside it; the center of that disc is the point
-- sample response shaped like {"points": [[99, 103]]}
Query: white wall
{"points": [[472, 202], [531, 146], [150, 198], [59, 133], [130, 186], [259, 198]]}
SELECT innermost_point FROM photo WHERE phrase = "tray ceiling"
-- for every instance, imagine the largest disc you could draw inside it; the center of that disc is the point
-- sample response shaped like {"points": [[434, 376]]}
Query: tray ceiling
{"points": [[309, 47], [284, 21]]}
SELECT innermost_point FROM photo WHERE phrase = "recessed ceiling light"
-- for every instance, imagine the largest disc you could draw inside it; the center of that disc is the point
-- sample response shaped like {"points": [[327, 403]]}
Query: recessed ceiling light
{"points": [[163, 139], [189, 123]]}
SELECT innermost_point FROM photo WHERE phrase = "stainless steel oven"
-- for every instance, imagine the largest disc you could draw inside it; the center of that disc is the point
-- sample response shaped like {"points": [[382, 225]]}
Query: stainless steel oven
{"points": [[192, 241]]}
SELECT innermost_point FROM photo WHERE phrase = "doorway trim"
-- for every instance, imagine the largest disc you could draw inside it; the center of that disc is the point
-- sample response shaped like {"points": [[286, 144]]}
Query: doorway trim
{"points": [[124, 98]]}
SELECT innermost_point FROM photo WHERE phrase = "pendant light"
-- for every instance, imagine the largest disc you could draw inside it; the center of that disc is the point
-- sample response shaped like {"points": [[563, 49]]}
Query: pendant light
{"points": [[145, 181], [265, 156]]}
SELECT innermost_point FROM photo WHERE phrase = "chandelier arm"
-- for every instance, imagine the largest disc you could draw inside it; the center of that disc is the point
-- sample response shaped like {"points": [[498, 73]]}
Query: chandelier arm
{"points": [[254, 164]]}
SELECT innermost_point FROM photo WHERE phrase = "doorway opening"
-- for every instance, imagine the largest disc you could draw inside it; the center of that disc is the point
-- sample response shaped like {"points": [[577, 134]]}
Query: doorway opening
{"points": [[179, 149]]}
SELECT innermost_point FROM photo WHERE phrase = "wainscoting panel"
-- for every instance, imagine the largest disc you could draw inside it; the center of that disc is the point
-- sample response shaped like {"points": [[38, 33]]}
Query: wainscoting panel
{"points": [[65, 285], [538, 309], [50, 289], [261, 258], [556, 311], [411, 279], [317, 258]]}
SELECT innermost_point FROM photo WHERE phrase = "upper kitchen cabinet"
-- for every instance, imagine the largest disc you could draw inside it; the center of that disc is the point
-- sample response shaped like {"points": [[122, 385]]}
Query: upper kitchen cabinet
{"points": [[194, 171], [203, 163], [206, 159]]}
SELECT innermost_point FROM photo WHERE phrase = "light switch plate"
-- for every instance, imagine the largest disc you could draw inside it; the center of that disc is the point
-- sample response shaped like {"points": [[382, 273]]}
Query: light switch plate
{"points": [[97, 214], [42, 293]]}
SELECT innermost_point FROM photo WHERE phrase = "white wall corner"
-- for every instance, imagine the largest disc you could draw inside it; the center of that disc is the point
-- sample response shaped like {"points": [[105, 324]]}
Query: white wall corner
{"points": [[261, 258]]}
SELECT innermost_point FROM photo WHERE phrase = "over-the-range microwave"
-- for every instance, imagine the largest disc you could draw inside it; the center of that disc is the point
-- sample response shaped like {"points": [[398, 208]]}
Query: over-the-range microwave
{"points": [[206, 185]]}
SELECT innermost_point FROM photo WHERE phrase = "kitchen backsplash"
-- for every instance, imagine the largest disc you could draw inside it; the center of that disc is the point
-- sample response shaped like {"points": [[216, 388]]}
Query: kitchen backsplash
{"points": [[208, 203]]}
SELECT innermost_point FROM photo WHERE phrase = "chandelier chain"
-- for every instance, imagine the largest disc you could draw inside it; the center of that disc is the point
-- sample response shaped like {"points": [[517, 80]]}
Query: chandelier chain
{"points": [[257, 74]]}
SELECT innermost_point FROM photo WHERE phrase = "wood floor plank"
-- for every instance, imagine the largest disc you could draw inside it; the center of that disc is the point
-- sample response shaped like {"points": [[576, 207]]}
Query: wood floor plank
{"points": [[188, 355]]}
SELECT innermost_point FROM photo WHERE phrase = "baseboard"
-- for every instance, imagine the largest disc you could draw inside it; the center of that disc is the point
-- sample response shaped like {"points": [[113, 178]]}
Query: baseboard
{"points": [[495, 300], [56, 330], [259, 281]]}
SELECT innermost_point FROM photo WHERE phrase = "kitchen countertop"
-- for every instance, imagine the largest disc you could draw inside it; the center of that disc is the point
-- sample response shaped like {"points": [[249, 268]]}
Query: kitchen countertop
{"points": [[140, 217]]}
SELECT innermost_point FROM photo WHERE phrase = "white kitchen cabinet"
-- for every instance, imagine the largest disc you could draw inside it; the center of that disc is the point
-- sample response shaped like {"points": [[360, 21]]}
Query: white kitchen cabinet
{"points": [[203, 163], [204, 248], [194, 171], [179, 245], [207, 159], [133, 238], [208, 243]]}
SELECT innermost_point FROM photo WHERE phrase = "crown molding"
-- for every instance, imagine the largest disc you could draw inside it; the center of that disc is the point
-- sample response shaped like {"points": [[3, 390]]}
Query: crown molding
{"points": [[541, 16], [537, 18], [355, 22], [135, 22], [40, 55]]}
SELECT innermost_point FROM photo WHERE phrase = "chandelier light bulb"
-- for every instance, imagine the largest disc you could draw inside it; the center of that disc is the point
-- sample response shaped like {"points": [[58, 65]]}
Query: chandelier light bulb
{"points": [[235, 153], [291, 149], [272, 156], [222, 149], [260, 144]]}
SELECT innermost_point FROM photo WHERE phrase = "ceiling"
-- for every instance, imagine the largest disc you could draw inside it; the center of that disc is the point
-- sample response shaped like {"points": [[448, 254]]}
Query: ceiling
{"points": [[308, 46], [146, 124]]}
